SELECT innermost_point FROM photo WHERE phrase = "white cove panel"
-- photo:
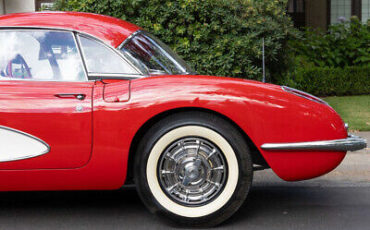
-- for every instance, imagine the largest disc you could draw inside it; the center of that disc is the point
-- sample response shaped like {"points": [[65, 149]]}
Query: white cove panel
{"points": [[16, 145]]}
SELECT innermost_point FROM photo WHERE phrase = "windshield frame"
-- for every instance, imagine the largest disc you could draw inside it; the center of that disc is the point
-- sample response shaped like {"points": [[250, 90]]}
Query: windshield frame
{"points": [[183, 66]]}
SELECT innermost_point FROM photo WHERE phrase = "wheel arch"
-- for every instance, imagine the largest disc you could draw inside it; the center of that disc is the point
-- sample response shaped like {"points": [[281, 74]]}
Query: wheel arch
{"points": [[256, 155]]}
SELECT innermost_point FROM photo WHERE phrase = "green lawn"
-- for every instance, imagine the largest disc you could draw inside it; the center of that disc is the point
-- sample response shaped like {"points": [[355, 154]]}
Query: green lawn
{"points": [[355, 110]]}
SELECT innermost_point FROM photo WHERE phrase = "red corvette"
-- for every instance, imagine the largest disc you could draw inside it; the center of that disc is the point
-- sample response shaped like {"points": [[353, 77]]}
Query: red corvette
{"points": [[90, 102]]}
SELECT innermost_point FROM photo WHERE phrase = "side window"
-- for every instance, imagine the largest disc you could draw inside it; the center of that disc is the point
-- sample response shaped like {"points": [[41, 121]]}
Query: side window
{"points": [[102, 60], [40, 55]]}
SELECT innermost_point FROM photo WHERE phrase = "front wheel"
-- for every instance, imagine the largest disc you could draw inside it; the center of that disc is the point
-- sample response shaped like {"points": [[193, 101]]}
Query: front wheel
{"points": [[193, 168]]}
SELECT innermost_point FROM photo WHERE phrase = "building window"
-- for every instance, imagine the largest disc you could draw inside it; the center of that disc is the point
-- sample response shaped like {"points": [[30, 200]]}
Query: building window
{"points": [[296, 6], [365, 11], [340, 11], [296, 9], [44, 4]]}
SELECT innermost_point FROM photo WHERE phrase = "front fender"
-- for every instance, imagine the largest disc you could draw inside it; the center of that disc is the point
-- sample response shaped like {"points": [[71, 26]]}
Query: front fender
{"points": [[264, 112]]}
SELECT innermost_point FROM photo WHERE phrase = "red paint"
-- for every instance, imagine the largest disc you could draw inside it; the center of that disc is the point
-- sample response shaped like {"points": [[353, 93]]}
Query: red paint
{"points": [[115, 111], [33, 107], [116, 91], [265, 112]]}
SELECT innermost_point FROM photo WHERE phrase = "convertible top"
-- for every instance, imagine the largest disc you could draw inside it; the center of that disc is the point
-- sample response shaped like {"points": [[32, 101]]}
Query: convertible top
{"points": [[111, 30]]}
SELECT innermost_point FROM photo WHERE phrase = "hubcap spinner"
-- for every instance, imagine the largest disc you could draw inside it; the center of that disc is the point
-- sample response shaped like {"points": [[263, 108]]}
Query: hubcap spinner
{"points": [[192, 171]]}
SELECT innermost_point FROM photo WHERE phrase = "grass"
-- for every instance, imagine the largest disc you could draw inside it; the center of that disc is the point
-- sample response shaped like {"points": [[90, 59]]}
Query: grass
{"points": [[355, 110]]}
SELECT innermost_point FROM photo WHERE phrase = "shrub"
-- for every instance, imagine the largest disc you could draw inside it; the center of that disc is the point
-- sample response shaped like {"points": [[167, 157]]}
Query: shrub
{"points": [[345, 44], [329, 81], [217, 37]]}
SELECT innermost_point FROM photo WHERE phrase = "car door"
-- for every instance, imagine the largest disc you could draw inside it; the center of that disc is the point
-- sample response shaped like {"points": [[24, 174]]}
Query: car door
{"points": [[45, 101]]}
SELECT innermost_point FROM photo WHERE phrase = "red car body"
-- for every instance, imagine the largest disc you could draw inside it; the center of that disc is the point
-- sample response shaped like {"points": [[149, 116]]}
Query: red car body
{"points": [[92, 148]]}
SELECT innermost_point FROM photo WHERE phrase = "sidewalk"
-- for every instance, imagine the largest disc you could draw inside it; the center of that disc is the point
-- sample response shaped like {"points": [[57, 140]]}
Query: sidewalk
{"points": [[354, 171]]}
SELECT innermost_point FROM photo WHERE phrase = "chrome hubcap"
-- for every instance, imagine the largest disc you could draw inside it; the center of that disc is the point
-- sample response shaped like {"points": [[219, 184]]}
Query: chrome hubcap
{"points": [[192, 171]]}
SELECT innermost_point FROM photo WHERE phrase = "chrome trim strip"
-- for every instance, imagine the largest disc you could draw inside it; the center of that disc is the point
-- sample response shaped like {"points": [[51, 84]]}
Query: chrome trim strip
{"points": [[30, 136], [351, 143], [78, 45], [113, 75], [128, 39], [37, 80], [302, 93]]}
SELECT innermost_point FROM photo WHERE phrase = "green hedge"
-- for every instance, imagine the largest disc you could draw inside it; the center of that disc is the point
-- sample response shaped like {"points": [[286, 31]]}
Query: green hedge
{"points": [[344, 44], [216, 37], [334, 62], [325, 81]]}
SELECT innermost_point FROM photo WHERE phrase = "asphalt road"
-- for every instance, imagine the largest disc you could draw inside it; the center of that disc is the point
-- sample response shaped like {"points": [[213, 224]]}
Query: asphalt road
{"points": [[339, 200]]}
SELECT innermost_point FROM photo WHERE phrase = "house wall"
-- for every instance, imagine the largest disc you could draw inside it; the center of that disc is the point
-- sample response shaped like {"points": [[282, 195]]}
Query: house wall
{"points": [[316, 14], [365, 10], [16, 6], [2, 7]]}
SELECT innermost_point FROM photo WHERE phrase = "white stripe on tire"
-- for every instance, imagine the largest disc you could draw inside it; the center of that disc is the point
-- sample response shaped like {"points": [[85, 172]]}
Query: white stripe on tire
{"points": [[164, 200]]}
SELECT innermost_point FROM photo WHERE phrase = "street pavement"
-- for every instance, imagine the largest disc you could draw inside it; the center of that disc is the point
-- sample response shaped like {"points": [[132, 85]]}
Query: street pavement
{"points": [[338, 200]]}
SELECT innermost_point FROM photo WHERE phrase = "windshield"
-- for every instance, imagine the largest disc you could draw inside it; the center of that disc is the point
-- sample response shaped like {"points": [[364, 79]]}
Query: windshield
{"points": [[153, 55]]}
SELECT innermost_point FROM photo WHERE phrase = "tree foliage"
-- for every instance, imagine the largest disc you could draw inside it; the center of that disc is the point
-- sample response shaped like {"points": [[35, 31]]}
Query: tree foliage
{"points": [[217, 37]]}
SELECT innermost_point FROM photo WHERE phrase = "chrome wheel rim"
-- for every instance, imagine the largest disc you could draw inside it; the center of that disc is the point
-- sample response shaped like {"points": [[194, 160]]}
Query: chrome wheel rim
{"points": [[192, 171]]}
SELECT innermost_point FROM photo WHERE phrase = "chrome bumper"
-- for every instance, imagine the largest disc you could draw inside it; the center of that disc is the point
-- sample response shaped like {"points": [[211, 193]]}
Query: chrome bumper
{"points": [[351, 143]]}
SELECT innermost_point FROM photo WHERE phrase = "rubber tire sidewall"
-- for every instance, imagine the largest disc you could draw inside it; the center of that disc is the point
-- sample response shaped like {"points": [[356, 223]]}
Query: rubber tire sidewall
{"points": [[214, 123]]}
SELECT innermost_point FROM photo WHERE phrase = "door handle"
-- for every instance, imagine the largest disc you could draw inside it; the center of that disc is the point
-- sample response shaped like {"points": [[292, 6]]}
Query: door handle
{"points": [[78, 96]]}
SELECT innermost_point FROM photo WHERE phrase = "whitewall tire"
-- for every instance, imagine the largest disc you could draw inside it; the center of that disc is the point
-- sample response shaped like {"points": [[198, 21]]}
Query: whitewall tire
{"points": [[193, 170]]}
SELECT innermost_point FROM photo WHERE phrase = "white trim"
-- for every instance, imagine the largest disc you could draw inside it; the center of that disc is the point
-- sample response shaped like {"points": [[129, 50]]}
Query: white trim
{"points": [[17, 145]]}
